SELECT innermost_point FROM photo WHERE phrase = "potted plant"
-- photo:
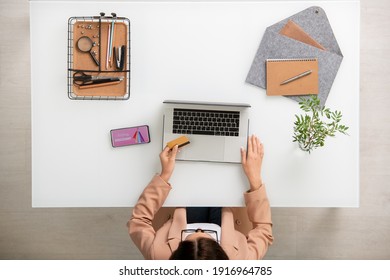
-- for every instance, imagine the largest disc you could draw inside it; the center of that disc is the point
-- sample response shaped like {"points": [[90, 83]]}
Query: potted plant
{"points": [[311, 130]]}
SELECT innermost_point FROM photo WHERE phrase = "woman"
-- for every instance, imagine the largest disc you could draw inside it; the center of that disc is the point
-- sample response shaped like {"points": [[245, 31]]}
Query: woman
{"points": [[179, 239]]}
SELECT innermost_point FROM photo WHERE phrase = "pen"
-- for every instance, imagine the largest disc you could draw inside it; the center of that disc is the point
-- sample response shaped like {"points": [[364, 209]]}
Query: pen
{"points": [[101, 84], [308, 72]]}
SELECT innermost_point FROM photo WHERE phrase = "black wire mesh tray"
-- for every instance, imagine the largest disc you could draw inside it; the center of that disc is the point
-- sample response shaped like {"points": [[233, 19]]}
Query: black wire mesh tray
{"points": [[99, 58]]}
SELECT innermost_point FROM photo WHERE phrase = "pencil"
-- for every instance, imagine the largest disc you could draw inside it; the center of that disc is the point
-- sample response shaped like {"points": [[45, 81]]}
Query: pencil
{"points": [[108, 45], [99, 85], [111, 41]]}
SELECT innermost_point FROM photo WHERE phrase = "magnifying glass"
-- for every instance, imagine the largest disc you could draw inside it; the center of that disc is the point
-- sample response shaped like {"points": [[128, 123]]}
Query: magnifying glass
{"points": [[85, 44]]}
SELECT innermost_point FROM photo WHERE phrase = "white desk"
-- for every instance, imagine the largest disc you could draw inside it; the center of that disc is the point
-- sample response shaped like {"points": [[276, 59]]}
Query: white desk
{"points": [[192, 51]]}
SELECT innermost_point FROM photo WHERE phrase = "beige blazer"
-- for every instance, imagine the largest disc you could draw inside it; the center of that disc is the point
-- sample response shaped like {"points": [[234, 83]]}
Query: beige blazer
{"points": [[161, 243]]}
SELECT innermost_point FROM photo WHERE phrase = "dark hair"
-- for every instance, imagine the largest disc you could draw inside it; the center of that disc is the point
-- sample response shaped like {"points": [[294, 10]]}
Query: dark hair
{"points": [[199, 249]]}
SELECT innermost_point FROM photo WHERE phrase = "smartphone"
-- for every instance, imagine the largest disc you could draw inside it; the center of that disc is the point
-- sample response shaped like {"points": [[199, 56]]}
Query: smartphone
{"points": [[130, 136]]}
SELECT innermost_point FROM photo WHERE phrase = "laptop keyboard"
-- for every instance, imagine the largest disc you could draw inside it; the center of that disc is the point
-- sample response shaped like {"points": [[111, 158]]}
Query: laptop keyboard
{"points": [[206, 122]]}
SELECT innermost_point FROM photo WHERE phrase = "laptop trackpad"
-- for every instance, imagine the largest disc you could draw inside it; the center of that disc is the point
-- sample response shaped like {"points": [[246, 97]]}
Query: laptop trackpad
{"points": [[208, 148]]}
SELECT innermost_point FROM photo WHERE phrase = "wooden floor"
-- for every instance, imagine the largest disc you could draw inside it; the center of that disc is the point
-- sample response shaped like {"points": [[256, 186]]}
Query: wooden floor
{"points": [[100, 233]]}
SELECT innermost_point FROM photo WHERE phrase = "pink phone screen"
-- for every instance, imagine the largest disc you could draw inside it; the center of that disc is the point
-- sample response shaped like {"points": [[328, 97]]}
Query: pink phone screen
{"points": [[130, 136]]}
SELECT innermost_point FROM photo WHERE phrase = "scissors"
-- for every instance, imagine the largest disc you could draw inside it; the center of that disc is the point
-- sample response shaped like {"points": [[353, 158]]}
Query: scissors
{"points": [[82, 79]]}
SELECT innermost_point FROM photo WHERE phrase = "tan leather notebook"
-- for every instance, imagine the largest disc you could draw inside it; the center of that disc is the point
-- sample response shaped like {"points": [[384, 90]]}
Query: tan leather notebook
{"points": [[292, 76]]}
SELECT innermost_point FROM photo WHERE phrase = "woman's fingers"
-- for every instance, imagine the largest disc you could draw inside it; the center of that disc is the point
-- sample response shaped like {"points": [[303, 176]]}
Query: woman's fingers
{"points": [[243, 156], [250, 144], [174, 151], [255, 144]]}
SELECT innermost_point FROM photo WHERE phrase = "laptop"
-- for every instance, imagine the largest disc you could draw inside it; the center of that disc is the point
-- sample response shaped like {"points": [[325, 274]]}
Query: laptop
{"points": [[216, 130]]}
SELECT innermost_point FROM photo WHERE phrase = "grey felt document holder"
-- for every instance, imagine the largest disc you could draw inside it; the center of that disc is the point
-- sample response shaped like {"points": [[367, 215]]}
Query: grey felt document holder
{"points": [[276, 46]]}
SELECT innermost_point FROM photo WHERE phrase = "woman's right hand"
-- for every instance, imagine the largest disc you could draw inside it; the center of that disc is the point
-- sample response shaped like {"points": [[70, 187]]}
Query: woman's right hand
{"points": [[252, 161], [167, 159]]}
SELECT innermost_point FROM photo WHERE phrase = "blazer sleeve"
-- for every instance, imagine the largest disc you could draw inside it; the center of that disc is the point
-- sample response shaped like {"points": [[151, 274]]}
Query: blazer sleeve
{"points": [[150, 201], [259, 213]]}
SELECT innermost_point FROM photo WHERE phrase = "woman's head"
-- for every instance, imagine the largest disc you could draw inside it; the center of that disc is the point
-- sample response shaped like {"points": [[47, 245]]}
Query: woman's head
{"points": [[197, 247]]}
